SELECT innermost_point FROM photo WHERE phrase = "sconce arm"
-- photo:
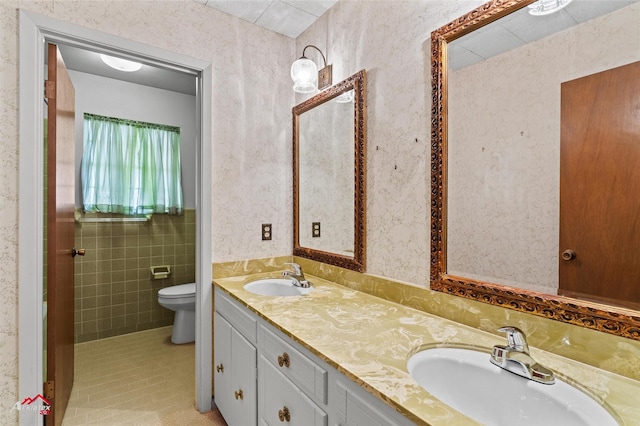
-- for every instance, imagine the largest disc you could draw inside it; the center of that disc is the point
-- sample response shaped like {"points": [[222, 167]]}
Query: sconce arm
{"points": [[321, 54]]}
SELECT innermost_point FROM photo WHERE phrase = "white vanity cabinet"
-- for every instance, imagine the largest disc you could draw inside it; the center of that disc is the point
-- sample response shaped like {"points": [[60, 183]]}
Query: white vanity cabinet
{"points": [[235, 368], [294, 386]]}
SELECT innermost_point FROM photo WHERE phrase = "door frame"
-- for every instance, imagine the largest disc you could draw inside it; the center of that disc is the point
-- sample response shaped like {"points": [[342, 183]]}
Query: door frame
{"points": [[34, 29]]}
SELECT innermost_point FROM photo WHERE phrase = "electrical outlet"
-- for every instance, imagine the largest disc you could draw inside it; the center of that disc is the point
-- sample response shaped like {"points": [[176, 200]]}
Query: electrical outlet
{"points": [[315, 229], [267, 231]]}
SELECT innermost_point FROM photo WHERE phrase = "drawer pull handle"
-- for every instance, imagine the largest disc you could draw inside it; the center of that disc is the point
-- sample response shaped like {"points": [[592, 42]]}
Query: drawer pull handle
{"points": [[283, 360], [220, 368], [284, 414], [239, 394]]}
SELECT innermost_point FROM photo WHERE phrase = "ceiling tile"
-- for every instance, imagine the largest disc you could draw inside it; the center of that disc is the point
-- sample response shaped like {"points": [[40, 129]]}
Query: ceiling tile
{"points": [[459, 57], [285, 19], [531, 28], [314, 7], [584, 10], [490, 40], [249, 10]]}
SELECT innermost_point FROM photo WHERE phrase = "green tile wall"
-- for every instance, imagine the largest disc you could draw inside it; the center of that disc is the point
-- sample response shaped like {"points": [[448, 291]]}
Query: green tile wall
{"points": [[114, 291]]}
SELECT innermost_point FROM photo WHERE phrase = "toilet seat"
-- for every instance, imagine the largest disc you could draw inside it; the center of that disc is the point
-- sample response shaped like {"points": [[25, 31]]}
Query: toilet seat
{"points": [[178, 291]]}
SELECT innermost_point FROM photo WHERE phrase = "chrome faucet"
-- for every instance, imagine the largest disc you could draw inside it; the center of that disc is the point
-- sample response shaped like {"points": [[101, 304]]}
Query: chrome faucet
{"points": [[515, 358], [296, 275]]}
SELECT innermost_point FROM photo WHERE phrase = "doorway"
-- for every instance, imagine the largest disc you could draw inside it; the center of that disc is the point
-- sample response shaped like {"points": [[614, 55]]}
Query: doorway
{"points": [[34, 30]]}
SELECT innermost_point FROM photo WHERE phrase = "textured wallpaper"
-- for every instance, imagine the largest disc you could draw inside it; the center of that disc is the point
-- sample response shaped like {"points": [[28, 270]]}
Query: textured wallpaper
{"points": [[391, 41]]}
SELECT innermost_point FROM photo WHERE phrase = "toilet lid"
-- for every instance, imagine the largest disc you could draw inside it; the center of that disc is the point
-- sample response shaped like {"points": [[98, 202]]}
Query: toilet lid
{"points": [[178, 290]]}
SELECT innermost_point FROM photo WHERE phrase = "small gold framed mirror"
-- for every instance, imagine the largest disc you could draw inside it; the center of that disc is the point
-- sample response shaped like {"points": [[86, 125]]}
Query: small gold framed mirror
{"points": [[329, 176]]}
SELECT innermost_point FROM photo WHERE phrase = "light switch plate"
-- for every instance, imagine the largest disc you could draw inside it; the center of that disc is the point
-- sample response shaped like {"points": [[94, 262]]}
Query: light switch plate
{"points": [[315, 229]]}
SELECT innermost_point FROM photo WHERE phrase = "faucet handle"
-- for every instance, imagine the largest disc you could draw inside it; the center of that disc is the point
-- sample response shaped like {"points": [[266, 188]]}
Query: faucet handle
{"points": [[297, 269], [516, 339]]}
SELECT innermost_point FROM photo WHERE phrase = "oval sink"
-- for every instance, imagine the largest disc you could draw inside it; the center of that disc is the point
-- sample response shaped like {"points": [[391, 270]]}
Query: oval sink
{"points": [[276, 287], [468, 382]]}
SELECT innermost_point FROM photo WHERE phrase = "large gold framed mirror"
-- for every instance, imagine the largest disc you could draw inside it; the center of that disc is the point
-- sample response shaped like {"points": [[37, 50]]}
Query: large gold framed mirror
{"points": [[329, 176], [499, 131]]}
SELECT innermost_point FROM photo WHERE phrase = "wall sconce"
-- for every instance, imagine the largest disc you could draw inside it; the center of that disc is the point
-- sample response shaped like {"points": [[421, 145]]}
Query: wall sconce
{"points": [[305, 75]]}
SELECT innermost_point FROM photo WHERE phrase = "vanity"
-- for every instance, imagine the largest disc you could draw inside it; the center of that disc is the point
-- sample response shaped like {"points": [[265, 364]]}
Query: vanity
{"points": [[264, 375], [338, 356]]}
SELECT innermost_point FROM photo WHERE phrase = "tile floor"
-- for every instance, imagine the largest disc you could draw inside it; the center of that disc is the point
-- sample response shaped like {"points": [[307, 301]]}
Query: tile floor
{"points": [[136, 379]]}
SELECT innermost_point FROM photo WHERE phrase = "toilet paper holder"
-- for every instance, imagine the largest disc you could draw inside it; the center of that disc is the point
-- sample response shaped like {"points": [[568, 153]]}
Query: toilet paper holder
{"points": [[160, 272]]}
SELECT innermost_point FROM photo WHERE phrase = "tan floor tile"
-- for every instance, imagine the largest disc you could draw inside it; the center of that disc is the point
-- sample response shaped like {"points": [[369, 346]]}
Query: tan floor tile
{"points": [[137, 379]]}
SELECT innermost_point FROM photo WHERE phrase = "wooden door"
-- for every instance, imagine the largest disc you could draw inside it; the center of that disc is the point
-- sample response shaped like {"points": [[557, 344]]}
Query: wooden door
{"points": [[600, 187], [60, 235]]}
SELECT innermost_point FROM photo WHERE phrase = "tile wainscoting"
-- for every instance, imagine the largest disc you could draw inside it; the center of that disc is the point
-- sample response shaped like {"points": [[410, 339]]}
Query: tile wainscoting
{"points": [[114, 291]]}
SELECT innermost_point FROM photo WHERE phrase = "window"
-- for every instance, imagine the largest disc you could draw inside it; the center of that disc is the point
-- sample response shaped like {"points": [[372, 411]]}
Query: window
{"points": [[130, 167]]}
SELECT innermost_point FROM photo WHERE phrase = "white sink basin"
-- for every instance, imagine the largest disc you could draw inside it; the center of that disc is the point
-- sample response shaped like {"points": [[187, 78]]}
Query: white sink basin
{"points": [[467, 381], [276, 287]]}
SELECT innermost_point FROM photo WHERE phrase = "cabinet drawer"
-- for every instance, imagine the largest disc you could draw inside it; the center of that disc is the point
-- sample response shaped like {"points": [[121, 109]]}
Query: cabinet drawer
{"points": [[280, 402], [301, 370], [237, 316]]}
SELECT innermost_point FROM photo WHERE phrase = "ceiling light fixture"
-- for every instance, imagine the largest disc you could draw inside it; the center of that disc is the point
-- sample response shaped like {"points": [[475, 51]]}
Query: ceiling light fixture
{"points": [[120, 64], [547, 7], [305, 75]]}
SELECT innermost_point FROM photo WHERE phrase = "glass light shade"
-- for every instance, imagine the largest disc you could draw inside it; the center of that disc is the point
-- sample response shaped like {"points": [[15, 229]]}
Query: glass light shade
{"points": [[345, 98], [304, 74], [120, 64], [547, 7]]}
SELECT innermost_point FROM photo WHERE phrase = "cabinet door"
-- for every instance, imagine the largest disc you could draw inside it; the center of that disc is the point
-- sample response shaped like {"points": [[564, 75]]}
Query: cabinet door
{"points": [[222, 364], [244, 386], [235, 384], [356, 407]]}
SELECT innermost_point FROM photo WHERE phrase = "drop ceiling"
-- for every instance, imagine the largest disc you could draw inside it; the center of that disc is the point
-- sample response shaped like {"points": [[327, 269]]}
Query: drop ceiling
{"points": [[287, 17], [520, 28], [291, 17]]}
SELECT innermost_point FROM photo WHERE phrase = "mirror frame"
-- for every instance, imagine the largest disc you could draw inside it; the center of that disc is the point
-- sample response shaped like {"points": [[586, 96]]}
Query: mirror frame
{"points": [[357, 83], [609, 319]]}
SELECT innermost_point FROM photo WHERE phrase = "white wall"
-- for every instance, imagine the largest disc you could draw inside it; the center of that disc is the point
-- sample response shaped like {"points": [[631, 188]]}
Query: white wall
{"points": [[120, 99]]}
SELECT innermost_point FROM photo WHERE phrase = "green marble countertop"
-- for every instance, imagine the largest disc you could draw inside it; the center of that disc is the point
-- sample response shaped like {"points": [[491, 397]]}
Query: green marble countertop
{"points": [[369, 340]]}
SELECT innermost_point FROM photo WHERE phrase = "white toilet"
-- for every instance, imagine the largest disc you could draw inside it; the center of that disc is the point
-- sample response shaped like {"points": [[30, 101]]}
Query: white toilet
{"points": [[181, 299]]}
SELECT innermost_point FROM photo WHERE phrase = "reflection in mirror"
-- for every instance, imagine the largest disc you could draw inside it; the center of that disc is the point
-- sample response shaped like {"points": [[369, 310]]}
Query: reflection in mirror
{"points": [[500, 123], [329, 132], [326, 177]]}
